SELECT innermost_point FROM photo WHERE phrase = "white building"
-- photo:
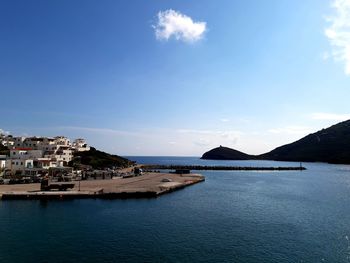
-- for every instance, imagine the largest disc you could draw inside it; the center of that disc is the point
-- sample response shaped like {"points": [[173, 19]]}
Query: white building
{"points": [[18, 141], [25, 153], [47, 163], [61, 140], [7, 141], [18, 166], [2, 162], [80, 145]]}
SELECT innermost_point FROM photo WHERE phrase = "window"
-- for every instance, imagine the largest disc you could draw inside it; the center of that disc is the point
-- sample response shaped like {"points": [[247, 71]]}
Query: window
{"points": [[21, 163]]}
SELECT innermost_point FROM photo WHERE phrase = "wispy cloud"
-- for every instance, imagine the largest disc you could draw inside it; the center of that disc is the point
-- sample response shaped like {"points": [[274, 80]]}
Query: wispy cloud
{"points": [[201, 142], [206, 138], [195, 131], [224, 120], [338, 32], [210, 132], [100, 130], [329, 116], [174, 24], [292, 130]]}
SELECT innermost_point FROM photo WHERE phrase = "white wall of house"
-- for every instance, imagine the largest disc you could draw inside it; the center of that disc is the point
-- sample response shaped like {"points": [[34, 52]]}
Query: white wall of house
{"points": [[65, 156], [61, 140], [15, 165], [2, 167], [47, 163], [82, 149], [29, 163], [40, 143], [2, 164], [8, 143], [80, 145], [18, 141], [25, 154]]}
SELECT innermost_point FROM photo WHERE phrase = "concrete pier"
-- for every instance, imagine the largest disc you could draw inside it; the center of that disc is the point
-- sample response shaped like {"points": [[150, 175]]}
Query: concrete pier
{"points": [[145, 186]]}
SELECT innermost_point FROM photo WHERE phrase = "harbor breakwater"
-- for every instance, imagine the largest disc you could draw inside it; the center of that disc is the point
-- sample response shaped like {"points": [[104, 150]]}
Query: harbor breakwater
{"points": [[221, 168]]}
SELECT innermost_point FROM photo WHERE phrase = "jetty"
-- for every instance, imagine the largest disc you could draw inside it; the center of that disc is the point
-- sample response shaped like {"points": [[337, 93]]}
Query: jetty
{"points": [[147, 185], [221, 168]]}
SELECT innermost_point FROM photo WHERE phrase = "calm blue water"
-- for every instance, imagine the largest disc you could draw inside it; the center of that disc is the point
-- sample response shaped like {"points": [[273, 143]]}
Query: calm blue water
{"points": [[232, 217]]}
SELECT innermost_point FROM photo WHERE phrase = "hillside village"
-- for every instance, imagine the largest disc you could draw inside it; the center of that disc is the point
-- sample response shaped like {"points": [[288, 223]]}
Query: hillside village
{"points": [[55, 168], [36, 155]]}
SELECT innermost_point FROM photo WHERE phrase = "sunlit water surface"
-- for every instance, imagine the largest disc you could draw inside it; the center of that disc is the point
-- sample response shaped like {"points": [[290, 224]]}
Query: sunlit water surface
{"points": [[233, 216]]}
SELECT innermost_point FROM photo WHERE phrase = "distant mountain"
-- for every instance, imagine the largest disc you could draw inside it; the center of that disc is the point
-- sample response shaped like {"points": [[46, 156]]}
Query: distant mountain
{"points": [[225, 153], [99, 160], [331, 145]]}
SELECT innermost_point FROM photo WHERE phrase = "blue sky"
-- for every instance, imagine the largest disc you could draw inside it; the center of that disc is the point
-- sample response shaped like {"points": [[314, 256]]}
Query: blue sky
{"points": [[163, 77]]}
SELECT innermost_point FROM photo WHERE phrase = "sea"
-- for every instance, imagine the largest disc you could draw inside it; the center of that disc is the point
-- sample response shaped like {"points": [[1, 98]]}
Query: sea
{"points": [[234, 216]]}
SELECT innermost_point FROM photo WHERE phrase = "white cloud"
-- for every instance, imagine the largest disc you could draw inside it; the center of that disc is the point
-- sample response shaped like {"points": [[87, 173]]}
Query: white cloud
{"points": [[172, 23], [338, 32], [330, 116], [300, 130], [224, 120]]}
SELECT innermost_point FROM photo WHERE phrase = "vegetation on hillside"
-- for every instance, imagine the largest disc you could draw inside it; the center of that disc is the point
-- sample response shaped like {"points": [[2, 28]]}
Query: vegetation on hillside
{"points": [[99, 160], [225, 153], [4, 150], [330, 145]]}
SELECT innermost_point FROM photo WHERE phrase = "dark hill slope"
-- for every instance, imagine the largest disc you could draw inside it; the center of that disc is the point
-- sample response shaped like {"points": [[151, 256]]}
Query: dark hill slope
{"points": [[99, 160], [225, 153], [330, 145]]}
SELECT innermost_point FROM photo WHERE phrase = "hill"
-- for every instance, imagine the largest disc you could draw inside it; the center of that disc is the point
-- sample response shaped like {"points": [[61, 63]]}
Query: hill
{"points": [[99, 160], [331, 145], [225, 153]]}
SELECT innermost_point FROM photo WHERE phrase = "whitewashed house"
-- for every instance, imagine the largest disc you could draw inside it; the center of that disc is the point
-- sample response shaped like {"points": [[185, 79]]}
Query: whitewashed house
{"points": [[80, 145]]}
